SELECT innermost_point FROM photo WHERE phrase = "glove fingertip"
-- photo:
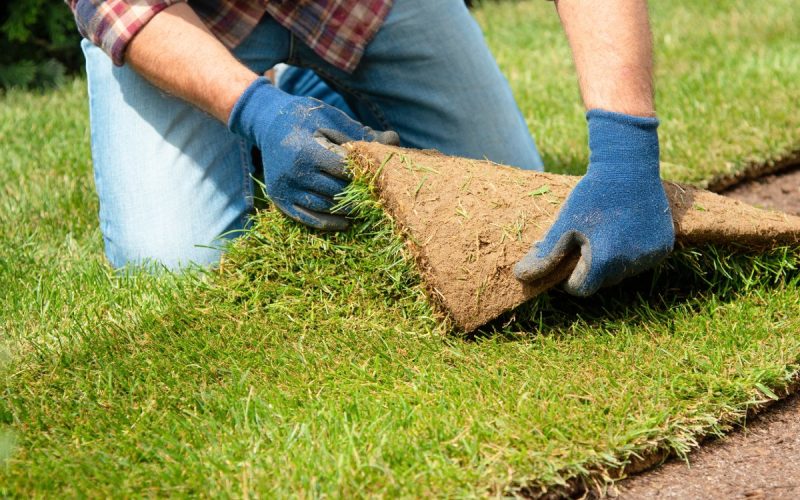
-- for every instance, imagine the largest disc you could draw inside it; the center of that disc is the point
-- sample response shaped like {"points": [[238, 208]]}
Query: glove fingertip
{"points": [[580, 289], [581, 283], [336, 169], [321, 221], [335, 225], [544, 256], [388, 137], [530, 267]]}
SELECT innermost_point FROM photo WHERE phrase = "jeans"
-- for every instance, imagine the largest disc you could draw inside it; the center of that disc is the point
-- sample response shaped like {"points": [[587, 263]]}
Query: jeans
{"points": [[304, 82], [175, 184]]}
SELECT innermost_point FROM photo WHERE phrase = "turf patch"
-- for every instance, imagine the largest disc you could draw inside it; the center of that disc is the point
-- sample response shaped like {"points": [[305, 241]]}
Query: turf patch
{"points": [[312, 364]]}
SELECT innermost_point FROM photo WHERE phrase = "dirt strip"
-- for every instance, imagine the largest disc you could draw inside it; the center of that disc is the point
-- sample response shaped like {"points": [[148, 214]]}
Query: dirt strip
{"points": [[760, 461], [775, 192], [754, 172]]}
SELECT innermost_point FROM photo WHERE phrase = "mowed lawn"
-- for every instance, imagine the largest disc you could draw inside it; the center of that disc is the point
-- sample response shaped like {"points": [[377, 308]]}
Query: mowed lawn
{"points": [[312, 365]]}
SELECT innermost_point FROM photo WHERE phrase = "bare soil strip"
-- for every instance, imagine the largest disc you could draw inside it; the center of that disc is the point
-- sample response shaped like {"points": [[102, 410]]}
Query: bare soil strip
{"points": [[780, 191], [762, 460], [754, 172]]}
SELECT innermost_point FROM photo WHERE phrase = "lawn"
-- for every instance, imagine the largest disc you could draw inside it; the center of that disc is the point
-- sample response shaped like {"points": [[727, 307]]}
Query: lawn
{"points": [[726, 73], [312, 365]]}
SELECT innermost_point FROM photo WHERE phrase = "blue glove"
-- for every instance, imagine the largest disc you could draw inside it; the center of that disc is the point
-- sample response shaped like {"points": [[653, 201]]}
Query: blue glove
{"points": [[300, 140], [617, 216]]}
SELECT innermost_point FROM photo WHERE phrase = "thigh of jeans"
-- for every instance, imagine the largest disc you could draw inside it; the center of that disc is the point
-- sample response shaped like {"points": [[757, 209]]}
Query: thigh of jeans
{"points": [[174, 184], [304, 82], [429, 75]]}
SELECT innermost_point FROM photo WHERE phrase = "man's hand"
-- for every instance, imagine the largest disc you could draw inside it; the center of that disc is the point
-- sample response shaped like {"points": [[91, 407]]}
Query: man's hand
{"points": [[299, 138], [617, 217]]}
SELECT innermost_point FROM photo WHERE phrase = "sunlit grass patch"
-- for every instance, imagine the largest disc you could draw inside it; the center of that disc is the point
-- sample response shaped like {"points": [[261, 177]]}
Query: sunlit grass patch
{"points": [[726, 83], [312, 364]]}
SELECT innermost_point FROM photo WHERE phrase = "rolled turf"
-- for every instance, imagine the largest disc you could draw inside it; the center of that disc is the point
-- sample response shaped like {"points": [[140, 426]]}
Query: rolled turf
{"points": [[468, 222]]}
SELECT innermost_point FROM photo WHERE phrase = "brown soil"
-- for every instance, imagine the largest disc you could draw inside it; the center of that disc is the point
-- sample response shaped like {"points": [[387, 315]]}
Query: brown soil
{"points": [[468, 222], [776, 192], [760, 461]]}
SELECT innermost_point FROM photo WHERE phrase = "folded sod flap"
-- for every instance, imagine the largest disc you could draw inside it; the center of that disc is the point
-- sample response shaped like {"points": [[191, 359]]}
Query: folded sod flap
{"points": [[467, 223]]}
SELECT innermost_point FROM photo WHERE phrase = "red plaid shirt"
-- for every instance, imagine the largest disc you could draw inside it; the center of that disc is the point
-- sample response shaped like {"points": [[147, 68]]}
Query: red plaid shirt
{"points": [[337, 30]]}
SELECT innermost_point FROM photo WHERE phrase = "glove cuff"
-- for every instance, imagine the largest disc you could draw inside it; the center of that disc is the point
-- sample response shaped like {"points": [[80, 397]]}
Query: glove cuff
{"points": [[257, 105], [621, 144]]}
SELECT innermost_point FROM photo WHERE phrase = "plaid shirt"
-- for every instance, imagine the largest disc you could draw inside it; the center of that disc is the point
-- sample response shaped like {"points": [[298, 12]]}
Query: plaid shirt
{"points": [[337, 30]]}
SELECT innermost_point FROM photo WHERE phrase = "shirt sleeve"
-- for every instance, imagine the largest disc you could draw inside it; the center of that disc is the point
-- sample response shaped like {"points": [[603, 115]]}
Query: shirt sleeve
{"points": [[112, 24]]}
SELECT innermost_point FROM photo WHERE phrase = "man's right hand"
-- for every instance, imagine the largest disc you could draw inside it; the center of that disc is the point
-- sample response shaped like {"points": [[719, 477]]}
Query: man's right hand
{"points": [[299, 137]]}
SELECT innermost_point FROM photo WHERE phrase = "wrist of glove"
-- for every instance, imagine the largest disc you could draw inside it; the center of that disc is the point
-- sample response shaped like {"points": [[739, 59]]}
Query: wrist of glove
{"points": [[300, 140], [617, 217]]}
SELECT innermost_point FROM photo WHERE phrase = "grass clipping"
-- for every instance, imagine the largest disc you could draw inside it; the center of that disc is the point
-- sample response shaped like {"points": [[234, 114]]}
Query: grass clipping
{"points": [[467, 223]]}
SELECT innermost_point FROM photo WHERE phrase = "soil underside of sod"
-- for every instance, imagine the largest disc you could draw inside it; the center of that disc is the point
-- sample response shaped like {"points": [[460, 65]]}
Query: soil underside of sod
{"points": [[467, 222]]}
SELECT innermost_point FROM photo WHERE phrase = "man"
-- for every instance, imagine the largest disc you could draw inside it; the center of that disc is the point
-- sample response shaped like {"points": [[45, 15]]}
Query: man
{"points": [[179, 104]]}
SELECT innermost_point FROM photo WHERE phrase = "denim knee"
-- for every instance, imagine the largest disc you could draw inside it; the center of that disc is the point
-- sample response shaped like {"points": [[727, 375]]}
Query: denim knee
{"points": [[169, 251]]}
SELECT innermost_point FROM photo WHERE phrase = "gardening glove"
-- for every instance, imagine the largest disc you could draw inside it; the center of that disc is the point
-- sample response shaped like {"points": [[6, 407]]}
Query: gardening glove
{"points": [[300, 139], [617, 216]]}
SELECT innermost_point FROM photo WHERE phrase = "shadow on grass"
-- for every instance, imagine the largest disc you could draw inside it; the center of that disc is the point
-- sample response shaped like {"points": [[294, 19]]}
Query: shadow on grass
{"points": [[689, 278]]}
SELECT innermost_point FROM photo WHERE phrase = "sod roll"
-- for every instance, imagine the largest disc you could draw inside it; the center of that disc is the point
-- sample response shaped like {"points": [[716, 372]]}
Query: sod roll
{"points": [[467, 222]]}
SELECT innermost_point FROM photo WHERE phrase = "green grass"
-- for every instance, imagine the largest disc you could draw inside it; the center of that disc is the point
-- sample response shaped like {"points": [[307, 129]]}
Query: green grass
{"points": [[312, 365], [725, 70]]}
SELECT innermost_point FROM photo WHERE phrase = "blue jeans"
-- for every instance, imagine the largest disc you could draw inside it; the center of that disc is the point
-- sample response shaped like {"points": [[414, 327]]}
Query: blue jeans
{"points": [[174, 184], [304, 82]]}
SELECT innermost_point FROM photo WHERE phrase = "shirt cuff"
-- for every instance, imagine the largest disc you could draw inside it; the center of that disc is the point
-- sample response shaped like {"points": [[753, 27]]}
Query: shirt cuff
{"points": [[112, 24]]}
